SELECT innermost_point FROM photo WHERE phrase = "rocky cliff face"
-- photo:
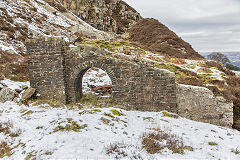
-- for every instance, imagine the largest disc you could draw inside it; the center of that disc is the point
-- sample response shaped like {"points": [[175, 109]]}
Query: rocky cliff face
{"points": [[106, 15]]}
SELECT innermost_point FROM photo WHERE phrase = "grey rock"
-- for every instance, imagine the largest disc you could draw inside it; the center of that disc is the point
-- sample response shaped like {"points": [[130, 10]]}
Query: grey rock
{"points": [[6, 94], [28, 93], [200, 104]]}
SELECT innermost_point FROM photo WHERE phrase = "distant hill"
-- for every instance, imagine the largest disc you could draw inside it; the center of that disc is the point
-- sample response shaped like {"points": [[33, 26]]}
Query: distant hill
{"points": [[233, 56]]}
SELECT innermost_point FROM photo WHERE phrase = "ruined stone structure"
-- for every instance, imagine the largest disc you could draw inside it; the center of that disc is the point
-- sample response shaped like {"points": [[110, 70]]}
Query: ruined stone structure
{"points": [[56, 71]]}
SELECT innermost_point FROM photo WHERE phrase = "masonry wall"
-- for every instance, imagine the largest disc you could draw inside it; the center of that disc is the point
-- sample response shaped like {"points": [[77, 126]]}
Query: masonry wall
{"points": [[56, 72], [136, 85], [46, 68]]}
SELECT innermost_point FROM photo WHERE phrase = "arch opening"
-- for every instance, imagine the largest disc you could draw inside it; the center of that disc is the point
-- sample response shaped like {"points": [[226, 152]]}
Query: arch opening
{"points": [[93, 86]]}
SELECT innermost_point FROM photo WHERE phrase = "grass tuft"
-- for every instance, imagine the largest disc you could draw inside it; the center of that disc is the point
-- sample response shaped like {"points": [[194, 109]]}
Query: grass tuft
{"points": [[155, 142], [167, 114], [212, 143]]}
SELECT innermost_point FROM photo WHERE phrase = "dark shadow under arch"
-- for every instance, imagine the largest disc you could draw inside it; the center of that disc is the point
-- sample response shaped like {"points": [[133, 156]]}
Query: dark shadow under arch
{"points": [[78, 83]]}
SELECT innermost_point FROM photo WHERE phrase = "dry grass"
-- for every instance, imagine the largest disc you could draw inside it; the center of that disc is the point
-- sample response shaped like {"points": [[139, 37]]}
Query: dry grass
{"points": [[156, 37], [155, 142], [220, 67], [6, 129], [118, 150], [5, 149], [190, 81], [236, 151], [13, 66]]}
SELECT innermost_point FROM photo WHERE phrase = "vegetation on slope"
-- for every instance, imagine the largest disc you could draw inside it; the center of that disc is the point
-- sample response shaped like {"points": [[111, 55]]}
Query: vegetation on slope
{"points": [[156, 37]]}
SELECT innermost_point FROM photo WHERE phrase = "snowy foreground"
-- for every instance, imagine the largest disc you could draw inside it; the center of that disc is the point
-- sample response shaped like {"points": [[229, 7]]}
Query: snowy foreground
{"points": [[48, 133]]}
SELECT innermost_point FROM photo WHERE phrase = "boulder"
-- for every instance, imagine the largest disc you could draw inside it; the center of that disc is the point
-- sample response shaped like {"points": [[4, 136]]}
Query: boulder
{"points": [[6, 94], [28, 93]]}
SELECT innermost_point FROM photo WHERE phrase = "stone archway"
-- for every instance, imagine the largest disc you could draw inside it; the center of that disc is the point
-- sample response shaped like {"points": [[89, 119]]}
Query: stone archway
{"points": [[79, 82]]}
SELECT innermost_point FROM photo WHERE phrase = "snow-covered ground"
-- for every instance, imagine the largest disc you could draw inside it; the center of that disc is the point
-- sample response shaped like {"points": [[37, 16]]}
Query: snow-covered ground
{"points": [[13, 84], [42, 138]]}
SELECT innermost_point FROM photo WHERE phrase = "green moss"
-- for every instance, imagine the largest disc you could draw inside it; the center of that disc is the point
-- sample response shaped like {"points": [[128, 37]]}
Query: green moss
{"points": [[30, 156], [188, 148], [109, 115], [89, 99], [96, 110], [69, 119], [71, 126], [169, 67], [110, 45], [39, 127], [167, 114], [179, 150], [148, 118], [191, 66], [206, 78], [117, 113], [90, 111], [179, 72], [212, 143]]}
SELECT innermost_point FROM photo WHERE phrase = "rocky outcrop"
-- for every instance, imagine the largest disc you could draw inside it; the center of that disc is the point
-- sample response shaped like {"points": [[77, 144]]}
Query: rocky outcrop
{"points": [[200, 104], [106, 15]]}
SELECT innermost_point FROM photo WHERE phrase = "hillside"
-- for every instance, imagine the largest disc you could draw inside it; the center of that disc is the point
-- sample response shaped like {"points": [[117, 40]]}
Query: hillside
{"points": [[93, 127], [156, 37]]}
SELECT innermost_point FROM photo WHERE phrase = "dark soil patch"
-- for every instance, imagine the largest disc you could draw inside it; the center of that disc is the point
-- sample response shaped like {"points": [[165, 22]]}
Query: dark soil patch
{"points": [[156, 37]]}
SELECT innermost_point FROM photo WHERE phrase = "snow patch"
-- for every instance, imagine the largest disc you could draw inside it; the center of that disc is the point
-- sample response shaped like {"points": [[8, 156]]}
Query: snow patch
{"points": [[13, 84]]}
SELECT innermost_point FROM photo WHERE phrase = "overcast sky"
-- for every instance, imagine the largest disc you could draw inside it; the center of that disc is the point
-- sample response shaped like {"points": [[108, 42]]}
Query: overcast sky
{"points": [[208, 25]]}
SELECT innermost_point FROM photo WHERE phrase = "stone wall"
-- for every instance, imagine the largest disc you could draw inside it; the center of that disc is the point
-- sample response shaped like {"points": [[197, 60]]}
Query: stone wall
{"points": [[200, 104], [57, 70], [106, 15], [46, 68]]}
